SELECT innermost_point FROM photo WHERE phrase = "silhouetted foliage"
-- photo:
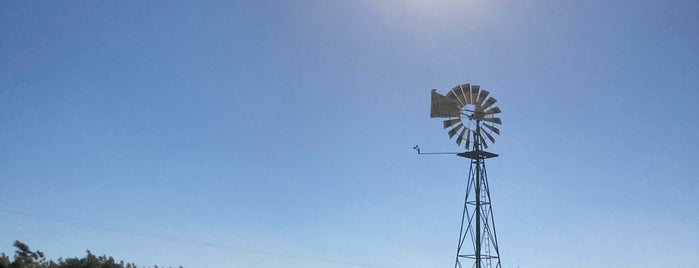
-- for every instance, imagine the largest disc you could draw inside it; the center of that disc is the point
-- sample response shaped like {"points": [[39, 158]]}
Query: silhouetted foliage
{"points": [[26, 258]]}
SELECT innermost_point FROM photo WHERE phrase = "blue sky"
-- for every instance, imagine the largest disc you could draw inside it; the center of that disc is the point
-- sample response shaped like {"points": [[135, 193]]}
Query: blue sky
{"points": [[264, 134]]}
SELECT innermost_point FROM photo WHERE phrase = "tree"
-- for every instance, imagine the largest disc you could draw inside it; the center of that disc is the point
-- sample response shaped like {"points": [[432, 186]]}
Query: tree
{"points": [[26, 258], [4, 261]]}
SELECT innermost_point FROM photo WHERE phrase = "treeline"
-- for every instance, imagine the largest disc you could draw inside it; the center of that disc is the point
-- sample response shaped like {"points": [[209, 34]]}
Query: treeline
{"points": [[26, 258]]}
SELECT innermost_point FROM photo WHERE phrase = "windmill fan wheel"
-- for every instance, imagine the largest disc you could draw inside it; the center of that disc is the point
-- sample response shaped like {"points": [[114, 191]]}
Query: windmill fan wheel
{"points": [[476, 117]]}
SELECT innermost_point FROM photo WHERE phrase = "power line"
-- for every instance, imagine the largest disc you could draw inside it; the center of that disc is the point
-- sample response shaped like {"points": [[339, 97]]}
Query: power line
{"points": [[152, 235]]}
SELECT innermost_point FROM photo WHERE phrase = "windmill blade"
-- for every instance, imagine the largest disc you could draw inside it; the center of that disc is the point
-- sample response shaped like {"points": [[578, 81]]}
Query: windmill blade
{"points": [[495, 120], [490, 137], [492, 128], [453, 131], [466, 88], [461, 136], [494, 110], [489, 102], [451, 122], [481, 97], [452, 95], [459, 95], [485, 144], [474, 93]]}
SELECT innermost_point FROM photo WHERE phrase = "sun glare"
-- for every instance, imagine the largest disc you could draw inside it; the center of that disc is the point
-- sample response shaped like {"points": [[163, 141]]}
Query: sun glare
{"points": [[428, 9]]}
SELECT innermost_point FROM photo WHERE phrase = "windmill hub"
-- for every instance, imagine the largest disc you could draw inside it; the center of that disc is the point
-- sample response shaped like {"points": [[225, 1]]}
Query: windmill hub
{"points": [[472, 112]]}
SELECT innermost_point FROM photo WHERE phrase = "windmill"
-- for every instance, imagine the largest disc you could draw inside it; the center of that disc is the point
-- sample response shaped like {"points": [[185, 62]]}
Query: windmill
{"points": [[471, 117]]}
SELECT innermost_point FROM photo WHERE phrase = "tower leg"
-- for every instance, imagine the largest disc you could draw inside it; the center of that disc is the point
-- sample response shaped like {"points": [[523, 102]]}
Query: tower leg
{"points": [[477, 223]]}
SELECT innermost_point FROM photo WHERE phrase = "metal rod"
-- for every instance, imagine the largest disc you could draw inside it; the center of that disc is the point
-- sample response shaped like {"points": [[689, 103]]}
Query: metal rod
{"points": [[417, 148], [476, 146]]}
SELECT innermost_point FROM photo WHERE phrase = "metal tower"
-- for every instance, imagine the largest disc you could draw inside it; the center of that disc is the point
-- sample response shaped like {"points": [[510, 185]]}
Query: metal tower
{"points": [[471, 113], [477, 222]]}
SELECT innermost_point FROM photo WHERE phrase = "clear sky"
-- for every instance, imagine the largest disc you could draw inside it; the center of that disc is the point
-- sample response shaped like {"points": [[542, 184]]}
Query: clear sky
{"points": [[279, 133]]}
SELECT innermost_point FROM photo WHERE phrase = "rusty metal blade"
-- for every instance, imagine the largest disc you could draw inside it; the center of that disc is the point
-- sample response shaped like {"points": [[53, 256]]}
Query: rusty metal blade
{"points": [[492, 128], [481, 97], [453, 131], [459, 95], [475, 89], [489, 102], [466, 88], [461, 136], [451, 122], [495, 120], [494, 110], [451, 95], [490, 137], [485, 144]]}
